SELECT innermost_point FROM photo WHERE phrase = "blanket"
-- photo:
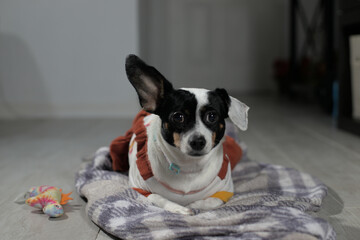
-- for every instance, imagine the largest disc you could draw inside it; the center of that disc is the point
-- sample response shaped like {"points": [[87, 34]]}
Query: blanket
{"points": [[269, 202]]}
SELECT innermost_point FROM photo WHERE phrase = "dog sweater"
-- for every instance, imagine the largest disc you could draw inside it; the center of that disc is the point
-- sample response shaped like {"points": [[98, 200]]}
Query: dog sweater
{"points": [[122, 147]]}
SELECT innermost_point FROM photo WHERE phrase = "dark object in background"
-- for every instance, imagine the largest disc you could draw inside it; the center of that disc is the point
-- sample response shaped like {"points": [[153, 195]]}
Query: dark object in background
{"points": [[309, 76], [349, 25], [307, 84], [281, 75]]}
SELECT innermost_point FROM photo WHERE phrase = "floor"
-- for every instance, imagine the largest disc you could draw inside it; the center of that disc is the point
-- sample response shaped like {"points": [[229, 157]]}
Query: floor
{"points": [[37, 152]]}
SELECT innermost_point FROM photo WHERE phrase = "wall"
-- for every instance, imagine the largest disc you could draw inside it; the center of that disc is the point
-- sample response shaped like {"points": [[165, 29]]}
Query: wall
{"points": [[66, 58], [216, 43]]}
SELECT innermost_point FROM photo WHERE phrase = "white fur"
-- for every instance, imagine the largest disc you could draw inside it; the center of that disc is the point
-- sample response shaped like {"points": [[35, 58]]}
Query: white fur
{"points": [[206, 203], [168, 205]]}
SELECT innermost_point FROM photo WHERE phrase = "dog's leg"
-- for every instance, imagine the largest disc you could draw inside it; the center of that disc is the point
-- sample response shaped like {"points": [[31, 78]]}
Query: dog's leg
{"points": [[206, 204], [168, 205]]}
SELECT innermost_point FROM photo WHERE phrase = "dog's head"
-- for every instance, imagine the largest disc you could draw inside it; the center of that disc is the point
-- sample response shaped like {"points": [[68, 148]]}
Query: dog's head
{"points": [[193, 120]]}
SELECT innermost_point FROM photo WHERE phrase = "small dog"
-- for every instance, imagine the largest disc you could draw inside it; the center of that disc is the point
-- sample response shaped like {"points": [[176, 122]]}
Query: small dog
{"points": [[176, 152]]}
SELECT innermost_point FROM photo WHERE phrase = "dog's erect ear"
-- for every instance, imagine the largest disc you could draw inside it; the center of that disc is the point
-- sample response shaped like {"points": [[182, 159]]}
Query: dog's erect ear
{"points": [[238, 111], [148, 82]]}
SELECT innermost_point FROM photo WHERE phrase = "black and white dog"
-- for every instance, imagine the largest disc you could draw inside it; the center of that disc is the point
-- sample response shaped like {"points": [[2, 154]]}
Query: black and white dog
{"points": [[177, 152]]}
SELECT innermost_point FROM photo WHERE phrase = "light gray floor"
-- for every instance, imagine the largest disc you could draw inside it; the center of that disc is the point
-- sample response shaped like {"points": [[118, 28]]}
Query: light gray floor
{"points": [[36, 152]]}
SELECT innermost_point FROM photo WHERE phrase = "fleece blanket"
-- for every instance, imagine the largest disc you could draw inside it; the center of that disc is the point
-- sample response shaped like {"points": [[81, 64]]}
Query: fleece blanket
{"points": [[270, 202]]}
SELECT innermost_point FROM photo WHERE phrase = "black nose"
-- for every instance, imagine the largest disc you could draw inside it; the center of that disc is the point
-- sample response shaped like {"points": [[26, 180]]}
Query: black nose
{"points": [[197, 143]]}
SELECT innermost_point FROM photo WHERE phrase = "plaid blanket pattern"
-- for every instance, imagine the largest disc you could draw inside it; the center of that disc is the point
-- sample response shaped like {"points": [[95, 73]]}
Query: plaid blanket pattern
{"points": [[270, 202]]}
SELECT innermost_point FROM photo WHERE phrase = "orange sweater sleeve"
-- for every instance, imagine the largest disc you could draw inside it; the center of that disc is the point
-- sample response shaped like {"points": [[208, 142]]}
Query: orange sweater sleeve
{"points": [[119, 147], [233, 150]]}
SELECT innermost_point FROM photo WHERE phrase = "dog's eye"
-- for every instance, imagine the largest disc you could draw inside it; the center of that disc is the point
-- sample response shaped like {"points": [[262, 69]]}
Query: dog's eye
{"points": [[211, 117], [178, 117]]}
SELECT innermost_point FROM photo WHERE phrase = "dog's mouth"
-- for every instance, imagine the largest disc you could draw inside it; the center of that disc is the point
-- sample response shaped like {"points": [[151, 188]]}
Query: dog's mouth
{"points": [[196, 154]]}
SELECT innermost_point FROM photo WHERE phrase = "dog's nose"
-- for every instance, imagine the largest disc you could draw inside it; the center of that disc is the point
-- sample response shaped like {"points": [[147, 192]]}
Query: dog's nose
{"points": [[197, 143]]}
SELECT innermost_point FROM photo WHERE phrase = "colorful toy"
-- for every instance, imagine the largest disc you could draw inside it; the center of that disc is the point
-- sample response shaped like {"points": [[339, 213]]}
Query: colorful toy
{"points": [[49, 199]]}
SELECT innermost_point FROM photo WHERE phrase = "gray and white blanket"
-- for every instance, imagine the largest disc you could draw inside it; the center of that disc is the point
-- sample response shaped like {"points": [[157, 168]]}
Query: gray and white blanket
{"points": [[270, 202]]}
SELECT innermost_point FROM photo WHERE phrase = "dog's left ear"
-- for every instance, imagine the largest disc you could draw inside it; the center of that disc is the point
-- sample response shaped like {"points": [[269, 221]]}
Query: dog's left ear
{"points": [[150, 85], [237, 112]]}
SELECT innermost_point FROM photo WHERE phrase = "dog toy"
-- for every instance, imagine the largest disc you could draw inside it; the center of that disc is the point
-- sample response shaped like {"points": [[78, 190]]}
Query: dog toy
{"points": [[49, 199]]}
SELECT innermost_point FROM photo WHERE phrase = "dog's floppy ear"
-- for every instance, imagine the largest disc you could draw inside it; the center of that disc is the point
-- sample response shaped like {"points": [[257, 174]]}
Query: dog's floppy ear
{"points": [[237, 112], [148, 82]]}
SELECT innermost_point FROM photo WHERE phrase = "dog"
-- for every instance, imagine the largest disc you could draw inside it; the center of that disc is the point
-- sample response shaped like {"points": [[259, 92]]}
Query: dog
{"points": [[177, 153]]}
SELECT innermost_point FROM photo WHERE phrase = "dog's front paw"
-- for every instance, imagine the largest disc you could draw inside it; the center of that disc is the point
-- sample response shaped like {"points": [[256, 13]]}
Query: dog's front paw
{"points": [[209, 203], [169, 205], [183, 211], [176, 208]]}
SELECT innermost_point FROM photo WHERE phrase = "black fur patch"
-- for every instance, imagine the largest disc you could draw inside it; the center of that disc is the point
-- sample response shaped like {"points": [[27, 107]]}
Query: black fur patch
{"points": [[218, 103], [177, 101]]}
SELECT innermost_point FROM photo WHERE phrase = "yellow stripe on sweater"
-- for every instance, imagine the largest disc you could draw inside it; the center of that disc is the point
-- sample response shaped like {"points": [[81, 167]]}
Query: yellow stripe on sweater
{"points": [[223, 195]]}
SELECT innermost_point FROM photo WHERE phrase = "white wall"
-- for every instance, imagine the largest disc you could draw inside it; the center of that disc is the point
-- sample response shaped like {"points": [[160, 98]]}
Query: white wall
{"points": [[62, 58], [216, 43]]}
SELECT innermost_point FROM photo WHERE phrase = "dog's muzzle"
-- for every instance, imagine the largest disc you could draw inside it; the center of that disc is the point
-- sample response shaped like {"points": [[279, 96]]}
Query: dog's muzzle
{"points": [[197, 143]]}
